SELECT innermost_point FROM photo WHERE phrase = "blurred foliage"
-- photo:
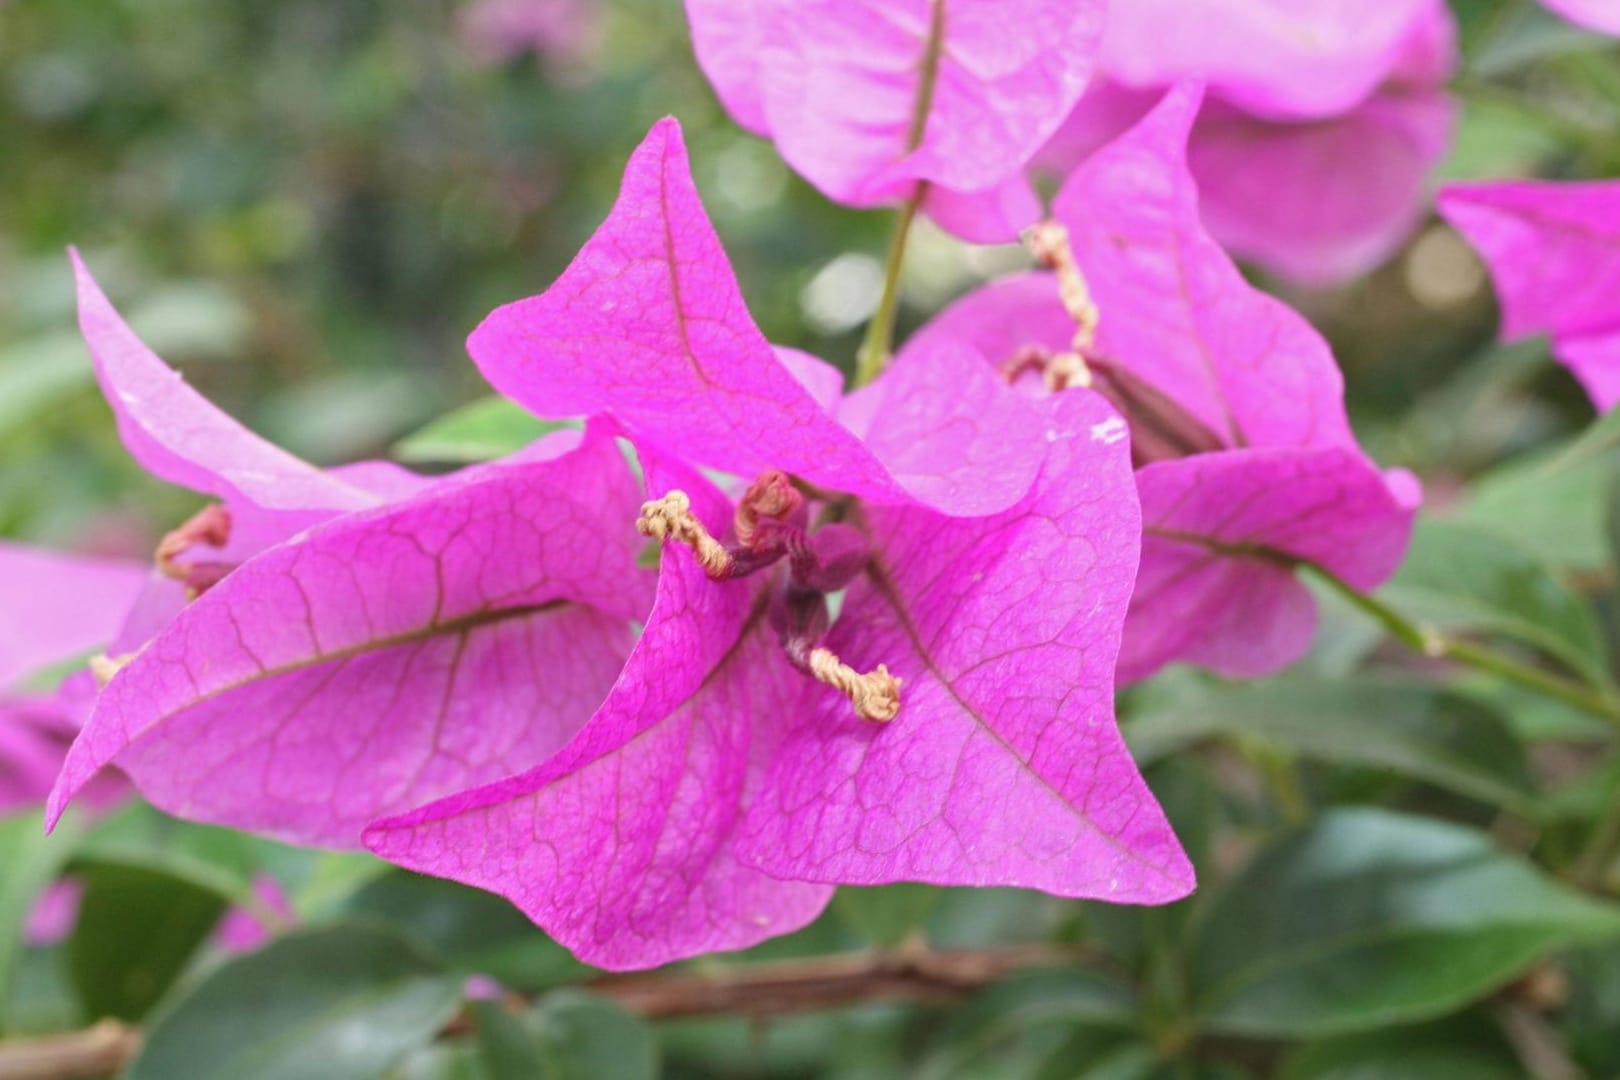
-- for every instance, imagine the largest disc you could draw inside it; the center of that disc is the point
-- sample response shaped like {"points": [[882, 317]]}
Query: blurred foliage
{"points": [[308, 204]]}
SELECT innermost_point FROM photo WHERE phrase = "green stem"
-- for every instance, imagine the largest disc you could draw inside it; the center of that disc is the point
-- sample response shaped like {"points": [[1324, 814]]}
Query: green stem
{"points": [[879, 341], [1431, 642], [880, 331]]}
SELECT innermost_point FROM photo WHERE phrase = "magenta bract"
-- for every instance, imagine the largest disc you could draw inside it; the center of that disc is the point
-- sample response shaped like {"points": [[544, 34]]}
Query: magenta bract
{"points": [[838, 85], [989, 544], [385, 658], [1553, 250], [649, 326], [1244, 449]]}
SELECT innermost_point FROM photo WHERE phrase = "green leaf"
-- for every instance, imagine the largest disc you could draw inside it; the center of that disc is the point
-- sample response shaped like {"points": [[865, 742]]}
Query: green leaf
{"points": [[1591, 1020], [1422, 731], [489, 428], [585, 1037], [1551, 501], [506, 1048], [1468, 1050], [1007, 1015], [473, 931], [883, 915], [1459, 577], [137, 930], [1371, 917], [31, 861], [344, 1002]]}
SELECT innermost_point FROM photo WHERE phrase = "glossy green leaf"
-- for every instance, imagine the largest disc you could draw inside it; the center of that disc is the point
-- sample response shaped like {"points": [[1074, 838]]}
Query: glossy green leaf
{"points": [[1591, 1019], [585, 1037], [1006, 1017], [1416, 729], [1551, 501], [1459, 577], [883, 915], [473, 931], [1371, 917], [507, 1049], [137, 931], [489, 428], [344, 1002], [31, 860], [1471, 1050]]}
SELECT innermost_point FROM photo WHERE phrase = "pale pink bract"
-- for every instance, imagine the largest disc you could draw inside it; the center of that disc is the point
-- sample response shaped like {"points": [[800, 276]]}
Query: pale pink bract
{"points": [[1553, 250]]}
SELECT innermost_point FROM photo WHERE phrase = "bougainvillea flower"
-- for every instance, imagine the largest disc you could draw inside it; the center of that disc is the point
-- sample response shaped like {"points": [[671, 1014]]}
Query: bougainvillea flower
{"points": [[496, 31], [954, 724], [1553, 250], [1280, 59], [1246, 462], [865, 99], [1317, 200], [386, 657], [1321, 202], [1601, 15], [55, 609], [179, 436], [58, 607]]}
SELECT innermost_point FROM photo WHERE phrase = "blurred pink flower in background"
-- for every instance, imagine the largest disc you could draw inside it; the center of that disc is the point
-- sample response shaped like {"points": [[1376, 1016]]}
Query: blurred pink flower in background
{"points": [[497, 31], [1318, 178]]}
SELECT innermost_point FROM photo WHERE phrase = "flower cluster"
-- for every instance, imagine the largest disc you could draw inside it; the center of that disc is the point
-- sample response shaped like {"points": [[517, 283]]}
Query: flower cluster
{"points": [[886, 622]]}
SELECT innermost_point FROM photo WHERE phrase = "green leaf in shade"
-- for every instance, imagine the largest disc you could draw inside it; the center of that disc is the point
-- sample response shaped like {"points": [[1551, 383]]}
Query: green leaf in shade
{"points": [[1551, 501], [1460, 577], [1023, 1015], [1370, 917], [1468, 1049], [31, 860], [137, 930], [344, 1002], [473, 931], [1417, 729], [507, 1049], [884, 914], [585, 1037], [1591, 1019], [489, 428]]}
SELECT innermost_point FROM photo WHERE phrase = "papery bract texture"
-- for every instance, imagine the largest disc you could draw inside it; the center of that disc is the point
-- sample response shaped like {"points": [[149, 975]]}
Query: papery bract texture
{"points": [[621, 845], [57, 607], [1004, 765], [1176, 309], [1282, 59], [1278, 477], [1219, 529], [1553, 250], [648, 324], [385, 658], [1601, 15], [1323, 201], [178, 435], [839, 85]]}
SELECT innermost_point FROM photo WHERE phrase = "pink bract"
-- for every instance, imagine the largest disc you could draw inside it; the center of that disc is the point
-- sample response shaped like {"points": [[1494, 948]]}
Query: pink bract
{"points": [[648, 325], [1601, 15], [385, 658], [837, 85], [719, 792], [58, 607], [1553, 250], [1281, 59], [1280, 476], [1318, 199]]}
